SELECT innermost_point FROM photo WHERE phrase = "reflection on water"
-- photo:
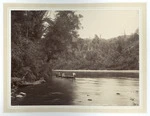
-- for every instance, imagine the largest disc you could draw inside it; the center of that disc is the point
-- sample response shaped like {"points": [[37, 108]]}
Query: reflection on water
{"points": [[83, 91], [107, 91]]}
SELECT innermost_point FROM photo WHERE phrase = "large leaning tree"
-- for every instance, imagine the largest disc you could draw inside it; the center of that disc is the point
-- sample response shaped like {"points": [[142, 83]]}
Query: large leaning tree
{"points": [[34, 45]]}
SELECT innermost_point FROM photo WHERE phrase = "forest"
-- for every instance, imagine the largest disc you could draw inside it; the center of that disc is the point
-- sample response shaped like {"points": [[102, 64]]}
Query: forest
{"points": [[40, 43], [37, 40], [119, 53]]}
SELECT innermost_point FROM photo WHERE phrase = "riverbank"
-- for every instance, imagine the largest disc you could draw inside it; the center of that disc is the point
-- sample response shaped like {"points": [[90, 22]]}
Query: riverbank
{"points": [[100, 73], [123, 71], [17, 83]]}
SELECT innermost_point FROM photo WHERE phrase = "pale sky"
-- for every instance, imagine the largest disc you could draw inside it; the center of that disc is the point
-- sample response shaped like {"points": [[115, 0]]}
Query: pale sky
{"points": [[108, 23]]}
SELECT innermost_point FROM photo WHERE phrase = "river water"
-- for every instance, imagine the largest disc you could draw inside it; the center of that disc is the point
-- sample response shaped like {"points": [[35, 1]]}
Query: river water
{"points": [[103, 91]]}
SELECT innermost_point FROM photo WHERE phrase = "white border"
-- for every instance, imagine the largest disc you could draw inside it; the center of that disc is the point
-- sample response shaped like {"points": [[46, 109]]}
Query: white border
{"points": [[77, 106], [64, 113]]}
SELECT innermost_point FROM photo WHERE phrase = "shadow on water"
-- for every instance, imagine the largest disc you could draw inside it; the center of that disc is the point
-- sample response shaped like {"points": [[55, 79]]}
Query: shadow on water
{"points": [[57, 92]]}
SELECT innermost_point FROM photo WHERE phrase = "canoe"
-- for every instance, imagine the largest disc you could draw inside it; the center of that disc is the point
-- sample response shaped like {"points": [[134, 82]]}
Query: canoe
{"points": [[31, 83], [25, 84], [67, 76]]}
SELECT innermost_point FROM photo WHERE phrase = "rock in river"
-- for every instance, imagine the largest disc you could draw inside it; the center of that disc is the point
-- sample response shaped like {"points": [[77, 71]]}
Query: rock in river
{"points": [[21, 95], [89, 99]]}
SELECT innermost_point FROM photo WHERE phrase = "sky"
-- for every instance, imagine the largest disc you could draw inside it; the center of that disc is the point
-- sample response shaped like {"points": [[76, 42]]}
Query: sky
{"points": [[108, 23]]}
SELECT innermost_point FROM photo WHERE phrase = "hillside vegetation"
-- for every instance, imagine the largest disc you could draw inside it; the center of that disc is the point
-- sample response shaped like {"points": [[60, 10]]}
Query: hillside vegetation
{"points": [[119, 53]]}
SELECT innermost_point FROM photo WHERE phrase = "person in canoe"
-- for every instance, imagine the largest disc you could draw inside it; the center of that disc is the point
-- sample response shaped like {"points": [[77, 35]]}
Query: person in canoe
{"points": [[63, 75], [69, 76], [74, 74], [58, 74]]}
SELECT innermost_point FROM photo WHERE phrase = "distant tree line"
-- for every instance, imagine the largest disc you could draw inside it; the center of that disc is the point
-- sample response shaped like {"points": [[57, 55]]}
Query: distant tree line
{"points": [[119, 53]]}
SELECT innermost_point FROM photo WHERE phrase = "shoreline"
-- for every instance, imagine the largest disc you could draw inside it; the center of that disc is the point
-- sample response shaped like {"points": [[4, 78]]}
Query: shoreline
{"points": [[119, 71], [99, 73], [14, 88]]}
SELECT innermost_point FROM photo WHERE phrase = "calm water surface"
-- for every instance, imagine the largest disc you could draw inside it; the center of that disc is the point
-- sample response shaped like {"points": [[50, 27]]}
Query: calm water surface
{"points": [[104, 91]]}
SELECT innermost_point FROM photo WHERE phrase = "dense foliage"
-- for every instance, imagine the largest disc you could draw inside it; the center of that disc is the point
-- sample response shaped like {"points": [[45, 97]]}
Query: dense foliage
{"points": [[37, 39], [119, 53]]}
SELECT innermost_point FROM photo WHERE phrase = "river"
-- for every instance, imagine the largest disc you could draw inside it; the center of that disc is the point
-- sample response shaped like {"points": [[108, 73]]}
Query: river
{"points": [[93, 91]]}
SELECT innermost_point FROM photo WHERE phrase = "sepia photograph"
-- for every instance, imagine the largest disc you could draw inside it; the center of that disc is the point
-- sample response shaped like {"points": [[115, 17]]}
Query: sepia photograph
{"points": [[76, 57]]}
